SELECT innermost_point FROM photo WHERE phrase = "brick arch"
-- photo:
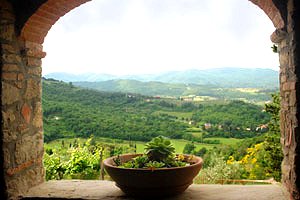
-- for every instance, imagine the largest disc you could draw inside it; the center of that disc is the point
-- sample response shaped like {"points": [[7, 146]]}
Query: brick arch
{"points": [[39, 23], [272, 12]]}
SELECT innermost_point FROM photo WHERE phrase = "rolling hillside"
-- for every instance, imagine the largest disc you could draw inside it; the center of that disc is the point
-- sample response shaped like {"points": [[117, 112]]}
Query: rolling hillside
{"points": [[222, 77], [177, 90], [70, 111]]}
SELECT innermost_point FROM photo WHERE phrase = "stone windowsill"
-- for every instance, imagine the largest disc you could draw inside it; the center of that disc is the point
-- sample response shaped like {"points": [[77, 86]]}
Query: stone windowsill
{"points": [[106, 190]]}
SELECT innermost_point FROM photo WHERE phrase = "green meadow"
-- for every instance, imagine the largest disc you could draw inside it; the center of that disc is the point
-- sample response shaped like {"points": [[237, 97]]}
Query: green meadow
{"points": [[178, 143]]}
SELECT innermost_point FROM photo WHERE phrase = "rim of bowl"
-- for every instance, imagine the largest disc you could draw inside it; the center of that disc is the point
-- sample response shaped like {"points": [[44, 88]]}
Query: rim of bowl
{"points": [[199, 161]]}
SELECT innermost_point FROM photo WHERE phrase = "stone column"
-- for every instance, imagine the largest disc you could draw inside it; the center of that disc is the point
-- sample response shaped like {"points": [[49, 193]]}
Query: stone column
{"points": [[289, 44], [22, 136]]}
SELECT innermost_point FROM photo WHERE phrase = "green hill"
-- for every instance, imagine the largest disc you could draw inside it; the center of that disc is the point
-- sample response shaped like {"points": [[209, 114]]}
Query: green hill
{"points": [[70, 111], [219, 78], [177, 90]]}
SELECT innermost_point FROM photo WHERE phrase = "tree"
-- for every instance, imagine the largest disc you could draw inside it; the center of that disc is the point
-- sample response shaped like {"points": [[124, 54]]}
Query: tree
{"points": [[201, 152], [189, 148], [273, 150], [263, 160]]}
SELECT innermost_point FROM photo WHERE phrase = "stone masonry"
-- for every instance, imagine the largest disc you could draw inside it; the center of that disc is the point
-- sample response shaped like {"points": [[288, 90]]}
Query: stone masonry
{"points": [[23, 27], [288, 41], [22, 133]]}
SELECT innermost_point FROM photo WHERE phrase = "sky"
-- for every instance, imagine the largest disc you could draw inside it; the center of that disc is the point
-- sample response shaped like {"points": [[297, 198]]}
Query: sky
{"points": [[124, 37]]}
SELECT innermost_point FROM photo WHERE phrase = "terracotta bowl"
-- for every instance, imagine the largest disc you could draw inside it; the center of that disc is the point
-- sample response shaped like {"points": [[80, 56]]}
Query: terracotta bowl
{"points": [[149, 183]]}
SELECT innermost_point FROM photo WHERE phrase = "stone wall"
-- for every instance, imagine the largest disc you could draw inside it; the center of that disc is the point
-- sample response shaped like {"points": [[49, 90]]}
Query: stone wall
{"points": [[22, 136], [22, 31], [289, 91]]}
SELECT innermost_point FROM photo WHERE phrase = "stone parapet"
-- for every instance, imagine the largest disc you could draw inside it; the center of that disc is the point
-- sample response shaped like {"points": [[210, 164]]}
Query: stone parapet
{"points": [[23, 27]]}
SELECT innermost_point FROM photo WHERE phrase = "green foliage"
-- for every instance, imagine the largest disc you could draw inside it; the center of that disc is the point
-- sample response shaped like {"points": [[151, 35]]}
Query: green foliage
{"points": [[273, 109], [159, 153], [154, 164], [273, 151], [73, 112], [236, 119], [201, 152], [274, 48], [261, 157], [218, 170], [55, 169], [216, 83], [80, 162], [159, 148], [189, 148]]}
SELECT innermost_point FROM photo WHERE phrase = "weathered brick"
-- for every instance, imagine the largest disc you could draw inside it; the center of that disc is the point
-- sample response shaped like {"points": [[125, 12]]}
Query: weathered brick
{"points": [[33, 46], [36, 54], [35, 173], [20, 77], [34, 50], [9, 76], [7, 17], [284, 59], [19, 84], [23, 128], [48, 15], [10, 67], [9, 136], [292, 98], [288, 86], [10, 94], [39, 143], [7, 161], [26, 112], [33, 36], [8, 49], [11, 58], [24, 150], [35, 71], [34, 62], [38, 115], [17, 186], [8, 118], [33, 89], [282, 79], [271, 10], [7, 32]]}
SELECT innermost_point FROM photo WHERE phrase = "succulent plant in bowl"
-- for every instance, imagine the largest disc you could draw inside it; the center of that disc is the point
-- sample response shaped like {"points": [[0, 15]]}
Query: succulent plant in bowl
{"points": [[157, 172], [159, 149], [159, 153]]}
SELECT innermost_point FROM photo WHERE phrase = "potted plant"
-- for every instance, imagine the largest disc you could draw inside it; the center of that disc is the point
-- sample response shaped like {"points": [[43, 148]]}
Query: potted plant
{"points": [[157, 172]]}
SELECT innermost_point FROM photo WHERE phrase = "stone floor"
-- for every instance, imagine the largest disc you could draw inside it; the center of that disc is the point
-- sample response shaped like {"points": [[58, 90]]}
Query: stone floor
{"points": [[106, 190]]}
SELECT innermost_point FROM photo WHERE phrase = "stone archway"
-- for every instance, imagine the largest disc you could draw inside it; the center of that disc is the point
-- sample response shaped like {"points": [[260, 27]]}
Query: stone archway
{"points": [[24, 25], [37, 26]]}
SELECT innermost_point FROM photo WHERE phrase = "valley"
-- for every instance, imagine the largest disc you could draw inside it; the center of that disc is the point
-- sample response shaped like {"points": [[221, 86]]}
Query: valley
{"points": [[222, 125]]}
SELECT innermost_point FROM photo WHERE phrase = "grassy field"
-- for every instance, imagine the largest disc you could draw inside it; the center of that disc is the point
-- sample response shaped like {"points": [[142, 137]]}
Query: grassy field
{"points": [[194, 129], [227, 141], [178, 144]]}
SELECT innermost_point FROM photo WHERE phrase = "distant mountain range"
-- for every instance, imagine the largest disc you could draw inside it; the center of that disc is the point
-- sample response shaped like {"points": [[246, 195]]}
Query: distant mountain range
{"points": [[221, 77]]}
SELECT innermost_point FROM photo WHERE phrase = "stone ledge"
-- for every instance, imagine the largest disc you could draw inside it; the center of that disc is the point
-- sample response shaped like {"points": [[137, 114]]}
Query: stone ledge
{"points": [[106, 190]]}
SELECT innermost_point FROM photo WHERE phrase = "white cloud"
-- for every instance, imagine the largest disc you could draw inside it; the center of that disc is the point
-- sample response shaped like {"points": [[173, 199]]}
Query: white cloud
{"points": [[159, 35]]}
